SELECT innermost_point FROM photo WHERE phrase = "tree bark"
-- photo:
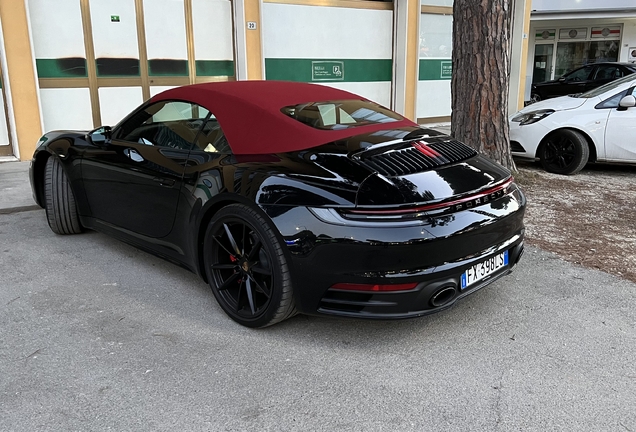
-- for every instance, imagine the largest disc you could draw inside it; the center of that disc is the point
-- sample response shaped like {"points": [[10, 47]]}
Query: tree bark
{"points": [[481, 76]]}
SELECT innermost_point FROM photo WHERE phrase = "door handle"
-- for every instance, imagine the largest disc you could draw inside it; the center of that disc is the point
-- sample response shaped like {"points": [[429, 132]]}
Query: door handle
{"points": [[164, 181]]}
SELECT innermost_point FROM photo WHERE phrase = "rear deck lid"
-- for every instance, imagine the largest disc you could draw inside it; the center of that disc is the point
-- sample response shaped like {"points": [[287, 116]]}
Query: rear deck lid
{"points": [[424, 170]]}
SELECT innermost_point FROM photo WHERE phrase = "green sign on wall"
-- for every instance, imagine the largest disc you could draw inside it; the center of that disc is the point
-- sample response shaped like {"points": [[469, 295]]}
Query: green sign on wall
{"points": [[435, 69], [327, 71], [446, 70]]}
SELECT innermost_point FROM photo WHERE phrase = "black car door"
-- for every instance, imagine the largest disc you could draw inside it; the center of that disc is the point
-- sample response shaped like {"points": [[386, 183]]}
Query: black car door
{"points": [[604, 74], [576, 81], [133, 181]]}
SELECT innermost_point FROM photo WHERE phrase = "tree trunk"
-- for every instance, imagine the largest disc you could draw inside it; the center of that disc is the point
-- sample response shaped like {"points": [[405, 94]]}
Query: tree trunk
{"points": [[481, 76]]}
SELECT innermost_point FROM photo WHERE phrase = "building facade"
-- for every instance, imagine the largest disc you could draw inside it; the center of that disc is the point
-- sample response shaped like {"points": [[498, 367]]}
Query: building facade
{"points": [[565, 35], [80, 64]]}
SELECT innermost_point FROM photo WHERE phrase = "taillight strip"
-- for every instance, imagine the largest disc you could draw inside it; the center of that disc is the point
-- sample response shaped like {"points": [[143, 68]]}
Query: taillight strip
{"points": [[374, 287], [436, 206]]}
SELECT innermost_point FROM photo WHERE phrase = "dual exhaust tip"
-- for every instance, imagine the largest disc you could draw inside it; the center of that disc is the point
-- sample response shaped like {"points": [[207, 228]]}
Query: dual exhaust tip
{"points": [[447, 293], [443, 296]]}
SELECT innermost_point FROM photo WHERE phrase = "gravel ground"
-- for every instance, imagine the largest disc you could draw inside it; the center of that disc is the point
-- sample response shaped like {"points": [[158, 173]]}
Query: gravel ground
{"points": [[587, 219]]}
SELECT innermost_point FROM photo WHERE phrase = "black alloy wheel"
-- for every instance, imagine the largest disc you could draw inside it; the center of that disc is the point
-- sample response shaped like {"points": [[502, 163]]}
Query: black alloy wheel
{"points": [[246, 267], [564, 152], [59, 202], [535, 97]]}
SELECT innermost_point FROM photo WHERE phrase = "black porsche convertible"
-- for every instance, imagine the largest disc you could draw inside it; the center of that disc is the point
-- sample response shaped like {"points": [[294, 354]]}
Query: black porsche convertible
{"points": [[288, 198]]}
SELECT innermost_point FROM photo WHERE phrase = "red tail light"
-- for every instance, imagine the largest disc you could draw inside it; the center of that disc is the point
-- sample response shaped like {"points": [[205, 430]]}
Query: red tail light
{"points": [[374, 288]]}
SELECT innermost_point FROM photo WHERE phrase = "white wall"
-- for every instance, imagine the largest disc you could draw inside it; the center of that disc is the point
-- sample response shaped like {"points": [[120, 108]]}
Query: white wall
{"points": [[331, 33], [114, 39], [212, 22], [66, 108], [117, 102], [66, 40], [578, 5], [629, 39], [164, 21], [433, 99], [293, 31]]}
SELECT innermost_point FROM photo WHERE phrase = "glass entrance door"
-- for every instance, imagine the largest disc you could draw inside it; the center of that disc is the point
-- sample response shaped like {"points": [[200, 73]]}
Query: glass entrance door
{"points": [[543, 56], [5, 144]]}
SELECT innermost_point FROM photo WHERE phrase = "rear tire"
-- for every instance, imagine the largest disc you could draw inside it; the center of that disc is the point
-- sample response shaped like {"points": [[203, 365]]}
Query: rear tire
{"points": [[564, 152], [246, 267], [61, 210]]}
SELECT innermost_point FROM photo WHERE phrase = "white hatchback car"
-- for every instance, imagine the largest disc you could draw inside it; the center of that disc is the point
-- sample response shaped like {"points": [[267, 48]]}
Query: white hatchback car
{"points": [[567, 132]]}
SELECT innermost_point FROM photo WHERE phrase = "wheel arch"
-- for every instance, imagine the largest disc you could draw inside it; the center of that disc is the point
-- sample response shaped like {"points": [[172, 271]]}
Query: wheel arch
{"points": [[207, 213], [38, 167], [590, 142]]}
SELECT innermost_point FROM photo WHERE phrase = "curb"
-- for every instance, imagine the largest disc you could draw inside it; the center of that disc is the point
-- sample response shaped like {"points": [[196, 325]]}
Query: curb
{"points": [[21, 209]]}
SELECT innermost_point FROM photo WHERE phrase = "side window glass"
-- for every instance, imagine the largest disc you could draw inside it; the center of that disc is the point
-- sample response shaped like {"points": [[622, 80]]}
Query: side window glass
{"points": [[212, 139], [608, 72], [171, 124], [613, 101], [579, 75]]}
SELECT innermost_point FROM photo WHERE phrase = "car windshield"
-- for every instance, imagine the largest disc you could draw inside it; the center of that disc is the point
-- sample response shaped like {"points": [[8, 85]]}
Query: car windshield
{"points": [[607, 87], [341, 114]]}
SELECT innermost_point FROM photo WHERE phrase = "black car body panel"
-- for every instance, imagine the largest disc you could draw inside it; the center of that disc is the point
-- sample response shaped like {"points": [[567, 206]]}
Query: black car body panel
{"points": [[176, 192], [392, 206]]}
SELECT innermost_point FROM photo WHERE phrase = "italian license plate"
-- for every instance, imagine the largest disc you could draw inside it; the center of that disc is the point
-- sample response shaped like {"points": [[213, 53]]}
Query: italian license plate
{"points": [[487, 267]]}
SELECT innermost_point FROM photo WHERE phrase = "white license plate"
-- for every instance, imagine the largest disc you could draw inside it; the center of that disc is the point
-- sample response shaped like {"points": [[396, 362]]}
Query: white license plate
{"points": [[481, 270]]}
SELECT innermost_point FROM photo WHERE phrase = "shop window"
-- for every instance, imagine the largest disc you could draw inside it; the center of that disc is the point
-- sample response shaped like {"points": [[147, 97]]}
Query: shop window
{"points": [[572, 55], [436, 36]]}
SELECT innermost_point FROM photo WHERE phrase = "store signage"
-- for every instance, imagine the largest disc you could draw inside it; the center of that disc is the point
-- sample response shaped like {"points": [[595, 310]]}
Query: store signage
{"points": [[545, 34], [578, 33], [446, 70], [631, 56], [606, 32], [327, 71]]}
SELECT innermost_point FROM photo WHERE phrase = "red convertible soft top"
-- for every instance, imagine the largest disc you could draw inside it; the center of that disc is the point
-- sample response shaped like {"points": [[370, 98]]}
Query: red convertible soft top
{"points": [[249, 113]]}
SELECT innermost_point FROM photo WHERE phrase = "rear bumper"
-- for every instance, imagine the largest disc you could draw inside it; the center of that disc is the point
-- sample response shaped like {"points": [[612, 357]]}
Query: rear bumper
{"points": [[438, 291], [433, 254]]}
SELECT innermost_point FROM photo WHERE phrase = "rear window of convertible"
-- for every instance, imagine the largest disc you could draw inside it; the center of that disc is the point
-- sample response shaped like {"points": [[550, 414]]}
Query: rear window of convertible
{"points": [[341, 114]]}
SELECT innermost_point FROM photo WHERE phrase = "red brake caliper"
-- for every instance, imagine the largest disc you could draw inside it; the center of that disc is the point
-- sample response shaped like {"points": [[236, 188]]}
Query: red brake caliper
{"points": [[235, 259]]}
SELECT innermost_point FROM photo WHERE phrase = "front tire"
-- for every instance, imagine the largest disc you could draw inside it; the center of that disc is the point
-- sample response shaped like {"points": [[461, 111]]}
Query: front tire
{"points": [[564, 152], [246, 267], [61, 209]]}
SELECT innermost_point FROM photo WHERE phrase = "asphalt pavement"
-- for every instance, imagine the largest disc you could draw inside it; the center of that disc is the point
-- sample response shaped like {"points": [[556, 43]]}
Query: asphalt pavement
{"points": [[15, 189], [96, 335]]}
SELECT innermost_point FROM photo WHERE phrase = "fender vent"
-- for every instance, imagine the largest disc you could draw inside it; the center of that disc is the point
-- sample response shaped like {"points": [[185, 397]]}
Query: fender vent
{"points": [[421, 157]]}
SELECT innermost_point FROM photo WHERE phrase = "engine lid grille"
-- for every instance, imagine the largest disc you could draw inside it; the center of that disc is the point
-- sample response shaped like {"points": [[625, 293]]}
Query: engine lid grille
{"points": [[421, 156]]}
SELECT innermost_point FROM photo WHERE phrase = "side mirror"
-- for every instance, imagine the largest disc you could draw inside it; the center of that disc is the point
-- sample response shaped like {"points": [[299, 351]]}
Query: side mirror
{"points": [[100, 136], [628, 101]]}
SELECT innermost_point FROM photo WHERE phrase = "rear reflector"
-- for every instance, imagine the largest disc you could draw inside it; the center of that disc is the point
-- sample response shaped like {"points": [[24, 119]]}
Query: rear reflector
{"points": [[376, 288]]}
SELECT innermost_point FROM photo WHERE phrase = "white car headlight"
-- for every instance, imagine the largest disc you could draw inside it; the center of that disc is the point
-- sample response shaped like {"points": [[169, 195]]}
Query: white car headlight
{"points": [[532, 116]]}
